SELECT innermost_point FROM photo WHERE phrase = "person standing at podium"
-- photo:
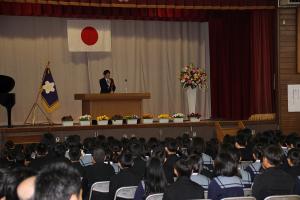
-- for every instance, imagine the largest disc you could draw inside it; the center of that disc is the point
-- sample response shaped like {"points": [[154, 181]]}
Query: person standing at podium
{"points": [[107, 84]]}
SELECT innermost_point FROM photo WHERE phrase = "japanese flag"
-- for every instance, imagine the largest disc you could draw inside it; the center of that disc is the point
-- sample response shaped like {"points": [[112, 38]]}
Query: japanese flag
{"points": [[89, 35]]}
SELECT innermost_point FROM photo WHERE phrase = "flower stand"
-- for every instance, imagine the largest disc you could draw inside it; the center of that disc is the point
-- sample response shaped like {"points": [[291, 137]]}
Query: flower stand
{"points": [[67, 123], [131, 121], [102, 122], [85, 123], [117, 122], [147, 121]]}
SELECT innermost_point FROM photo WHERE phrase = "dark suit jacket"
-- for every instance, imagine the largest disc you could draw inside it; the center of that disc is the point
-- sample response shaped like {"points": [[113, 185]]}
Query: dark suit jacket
{"points": [[105, 88], [273, 181], [183, 189], [123, 179], [139, 167]]}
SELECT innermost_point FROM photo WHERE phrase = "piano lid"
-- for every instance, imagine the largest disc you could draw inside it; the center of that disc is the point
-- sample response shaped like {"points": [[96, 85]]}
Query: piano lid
{"points": [[6, 84]]}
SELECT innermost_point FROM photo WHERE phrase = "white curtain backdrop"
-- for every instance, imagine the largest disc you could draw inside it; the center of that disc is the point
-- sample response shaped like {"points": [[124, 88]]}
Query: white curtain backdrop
{"points": [[149, 54]]}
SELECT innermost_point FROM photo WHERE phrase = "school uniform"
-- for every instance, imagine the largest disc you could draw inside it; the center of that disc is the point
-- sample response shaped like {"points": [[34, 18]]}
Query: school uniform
{"points": [[200, 180], [246, 178], [207, 162], [169, 167], [183, 189], [254, 169], [273, 181], [223, 186], [123, 179]]}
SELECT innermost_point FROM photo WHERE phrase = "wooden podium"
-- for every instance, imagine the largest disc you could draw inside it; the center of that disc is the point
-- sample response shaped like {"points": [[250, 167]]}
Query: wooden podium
{"points": [[112, 104]]}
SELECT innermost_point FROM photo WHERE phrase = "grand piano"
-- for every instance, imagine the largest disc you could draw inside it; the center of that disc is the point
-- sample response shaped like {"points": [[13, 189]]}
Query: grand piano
{"points": [[7, 99]]}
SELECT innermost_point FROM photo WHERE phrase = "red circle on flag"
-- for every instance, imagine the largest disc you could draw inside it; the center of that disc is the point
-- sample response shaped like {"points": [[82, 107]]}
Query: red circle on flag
{"points": [[89, 35]]}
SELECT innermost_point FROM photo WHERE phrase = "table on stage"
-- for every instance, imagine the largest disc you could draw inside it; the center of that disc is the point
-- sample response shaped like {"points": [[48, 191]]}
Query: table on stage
{"points": [[112, 103]]}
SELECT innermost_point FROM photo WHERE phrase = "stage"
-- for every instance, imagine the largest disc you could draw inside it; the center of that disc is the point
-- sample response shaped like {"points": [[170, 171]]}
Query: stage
{"points": [[206, 129]]}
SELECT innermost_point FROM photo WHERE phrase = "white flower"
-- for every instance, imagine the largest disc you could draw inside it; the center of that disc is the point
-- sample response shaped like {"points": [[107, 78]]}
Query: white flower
{"points": [[48, 87]]}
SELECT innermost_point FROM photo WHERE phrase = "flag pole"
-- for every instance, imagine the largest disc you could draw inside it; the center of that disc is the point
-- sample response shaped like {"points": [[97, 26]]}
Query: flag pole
{"points": [[36, 105]]}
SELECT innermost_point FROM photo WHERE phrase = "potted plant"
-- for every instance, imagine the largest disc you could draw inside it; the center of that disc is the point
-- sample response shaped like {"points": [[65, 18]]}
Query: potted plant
{"points": [[164, 118], [194, 117], [67, 120], [131, 119], [117, 120], [178, 117], [85, 120], [102, 120], [147, 119]]}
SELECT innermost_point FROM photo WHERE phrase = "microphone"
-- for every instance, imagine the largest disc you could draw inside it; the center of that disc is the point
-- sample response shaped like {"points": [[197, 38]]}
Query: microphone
{"points": [[126, 85]]}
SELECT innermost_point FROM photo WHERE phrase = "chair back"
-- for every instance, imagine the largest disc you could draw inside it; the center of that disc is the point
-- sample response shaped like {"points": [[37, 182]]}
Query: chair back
{"points": [[158, 196], [102, 187], [247, 192], [205, 194], [239, 198], [125, 192], [283, 197]]}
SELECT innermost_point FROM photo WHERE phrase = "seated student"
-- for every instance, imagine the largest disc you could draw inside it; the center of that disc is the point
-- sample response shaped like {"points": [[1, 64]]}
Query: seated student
{"points": [[13, 178], [139, 163], [171, 149], [59, 181], [88, 146], [154, 182], [255, 167], [227, 183], [198, 148], [184, 187], [273, 180], [293, 158], [241, 143], [197, 177], [99, 171], [41, 158], [125, 177], [75, 154]]}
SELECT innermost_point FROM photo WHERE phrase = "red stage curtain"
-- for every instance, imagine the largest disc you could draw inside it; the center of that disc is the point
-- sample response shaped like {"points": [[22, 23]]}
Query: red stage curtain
{"points": [[241, 47]]}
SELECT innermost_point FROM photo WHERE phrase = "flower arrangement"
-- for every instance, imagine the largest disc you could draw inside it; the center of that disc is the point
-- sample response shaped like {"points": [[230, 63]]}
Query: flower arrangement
{"points": [[164, 116], [102, 118], [85, 118], [194, 115], [178, 115], [147, 116], [67, 118], [131, 117], [191, 76]]}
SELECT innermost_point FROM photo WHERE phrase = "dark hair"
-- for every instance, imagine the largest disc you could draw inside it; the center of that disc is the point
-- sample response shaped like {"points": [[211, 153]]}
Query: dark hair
{"points": [[99, 155], [171, 145], [60, 150], [13, 179], [258, 151], [3, 174], [183, 167], [274, 154], [241, 138], [126, 159], [225, 165], [106, 72], [73, 140], [155, 179], [196, 163], [74, 154], [41, 149], [88, 145], [57, 181], [136, 149], [198, 145], [294, 156]]}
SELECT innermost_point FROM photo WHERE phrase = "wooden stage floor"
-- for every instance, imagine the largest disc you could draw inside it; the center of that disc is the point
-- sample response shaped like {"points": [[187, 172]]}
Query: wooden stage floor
{"points": [[205, 129]]}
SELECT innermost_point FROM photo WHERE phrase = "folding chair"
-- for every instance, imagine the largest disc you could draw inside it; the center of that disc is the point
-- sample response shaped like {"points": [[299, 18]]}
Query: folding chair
{"points": [[125, 192], [283, 197], [239, 198], [157, 196], [102, 187], [205, 194], [247, 192]]}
